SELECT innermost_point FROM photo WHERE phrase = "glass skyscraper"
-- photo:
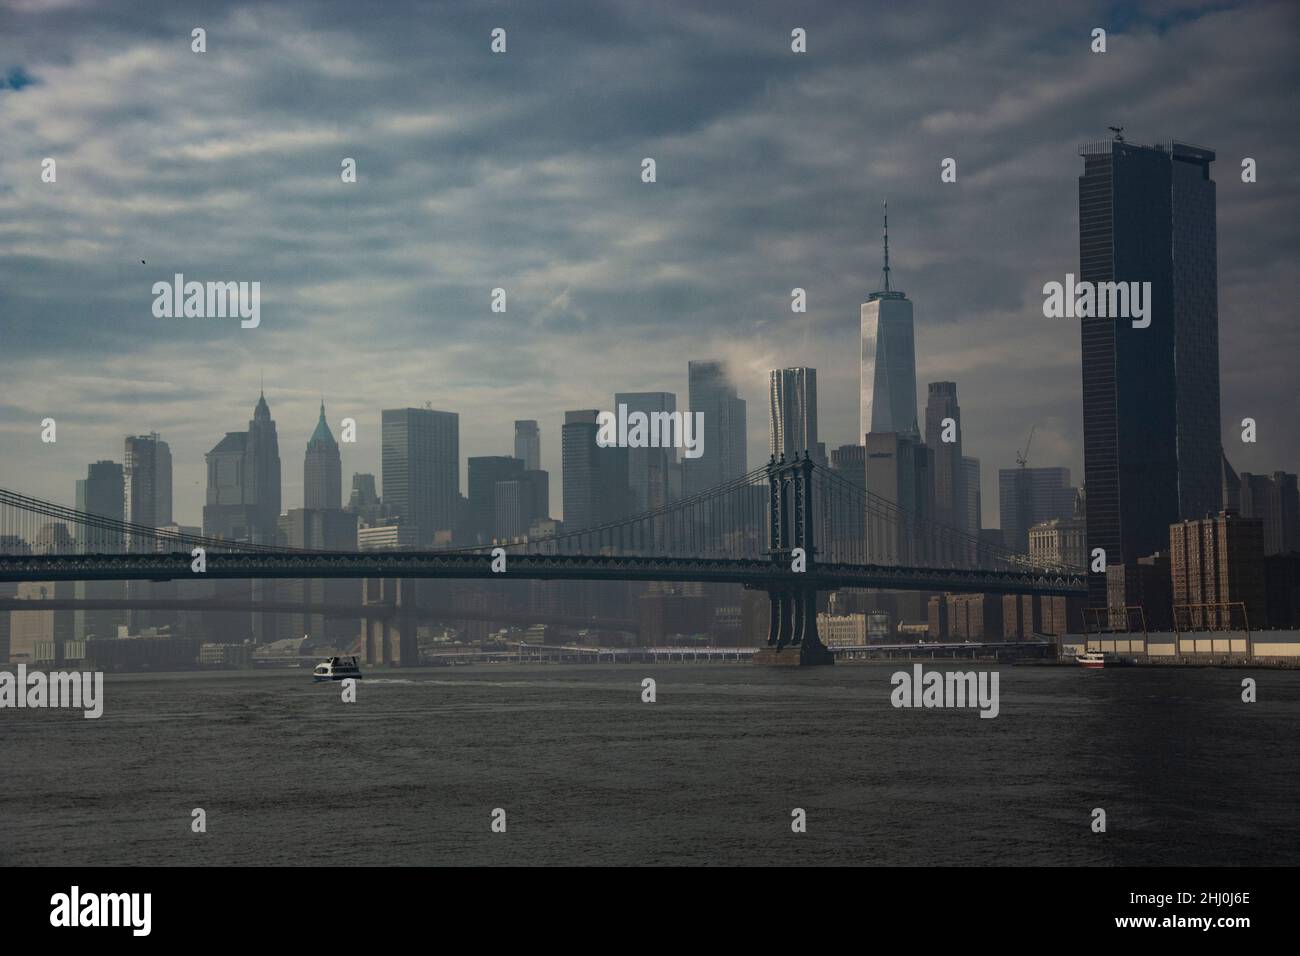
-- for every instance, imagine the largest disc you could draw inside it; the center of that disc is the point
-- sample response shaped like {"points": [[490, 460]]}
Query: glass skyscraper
{"points": [[421, 468], [792, 413], [888, 372], [1152, 453]]}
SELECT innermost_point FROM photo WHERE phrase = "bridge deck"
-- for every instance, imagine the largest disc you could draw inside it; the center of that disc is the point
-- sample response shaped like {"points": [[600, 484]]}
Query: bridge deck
{"points": [[751, 572]]}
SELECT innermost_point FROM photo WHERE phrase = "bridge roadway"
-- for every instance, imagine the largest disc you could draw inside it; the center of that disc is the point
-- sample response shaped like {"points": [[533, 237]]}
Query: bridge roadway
{"points": [[758, 573]]}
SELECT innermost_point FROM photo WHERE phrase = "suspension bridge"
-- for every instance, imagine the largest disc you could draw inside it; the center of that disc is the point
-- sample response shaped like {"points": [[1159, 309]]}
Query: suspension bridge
{"points": [[790, 528]]}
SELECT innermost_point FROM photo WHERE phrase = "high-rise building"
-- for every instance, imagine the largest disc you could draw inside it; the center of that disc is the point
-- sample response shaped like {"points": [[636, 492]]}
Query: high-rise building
{"points": [[262, 466], [724, 453], [1029, 496], [535, 496], [520, 504], [226, 513], [243, 489], [888, 371], [484, 473], [950, 498], [792, 414], [147, 485], [101, 492], [580, 468], [1217, 570], [900, 470], [649, 470], [421, 468], [528, 444], [322, 470], [242, 504], [974, 499], [364, 500], [848, 512], [1273, 500], [595, 479], [1152, 451]]}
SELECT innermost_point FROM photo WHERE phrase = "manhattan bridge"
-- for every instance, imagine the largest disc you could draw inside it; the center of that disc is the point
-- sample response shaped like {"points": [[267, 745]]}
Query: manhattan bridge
{"points": [[791, 529]]}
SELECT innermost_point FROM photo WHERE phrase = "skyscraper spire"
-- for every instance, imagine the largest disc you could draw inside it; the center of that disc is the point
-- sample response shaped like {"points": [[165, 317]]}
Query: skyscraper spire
{"points": [[886, 207]]}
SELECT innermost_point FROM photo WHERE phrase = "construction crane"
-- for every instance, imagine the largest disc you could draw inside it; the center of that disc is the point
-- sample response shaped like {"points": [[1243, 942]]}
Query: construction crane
{"points": [[1023, 459]]}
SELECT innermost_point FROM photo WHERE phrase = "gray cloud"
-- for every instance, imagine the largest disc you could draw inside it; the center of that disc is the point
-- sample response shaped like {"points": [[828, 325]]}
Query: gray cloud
{"points": [[522, 171]]}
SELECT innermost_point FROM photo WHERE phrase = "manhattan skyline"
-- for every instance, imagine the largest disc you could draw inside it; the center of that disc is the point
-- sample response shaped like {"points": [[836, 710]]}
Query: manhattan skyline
{"points": [[378, 293]]}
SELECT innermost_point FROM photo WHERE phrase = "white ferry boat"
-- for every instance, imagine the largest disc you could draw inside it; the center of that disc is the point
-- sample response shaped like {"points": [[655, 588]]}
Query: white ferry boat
{"points": [[336, 668], [1091, 659]]}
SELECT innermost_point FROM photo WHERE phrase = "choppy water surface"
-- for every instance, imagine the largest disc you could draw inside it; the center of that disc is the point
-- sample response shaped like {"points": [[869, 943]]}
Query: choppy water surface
{"points": [[587, 773]]}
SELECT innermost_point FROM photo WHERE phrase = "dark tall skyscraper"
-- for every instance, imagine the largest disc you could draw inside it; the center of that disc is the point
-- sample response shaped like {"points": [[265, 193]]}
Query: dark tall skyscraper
{"points": [[243, 491], [102, 492], [580, 468], [1152, 452], [322, 471], [950, 500], [724, 454], [792, 414], [484, 473], [595, 479], [528, 444], [262, 485], [421, 468]]}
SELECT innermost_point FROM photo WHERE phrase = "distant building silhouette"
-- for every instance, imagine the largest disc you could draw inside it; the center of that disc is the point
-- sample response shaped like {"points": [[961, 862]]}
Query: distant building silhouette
{"points": [[364, 501], [101, 492], [951, 502], [595, 479], [528, 444], [1273, 500], [322, 475], [724, 456], [147, 484], [243, 488], [649, 470], [485, 472], [1029, 496]]}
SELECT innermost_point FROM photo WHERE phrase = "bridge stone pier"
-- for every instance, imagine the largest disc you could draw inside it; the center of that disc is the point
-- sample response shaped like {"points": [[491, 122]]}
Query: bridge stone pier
{"points": [[388, 641], [792, 638]]}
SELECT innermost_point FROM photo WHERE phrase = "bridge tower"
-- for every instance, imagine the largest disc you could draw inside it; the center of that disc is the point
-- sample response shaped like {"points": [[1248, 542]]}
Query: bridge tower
{"points": [[792, 637], [388, 640]]}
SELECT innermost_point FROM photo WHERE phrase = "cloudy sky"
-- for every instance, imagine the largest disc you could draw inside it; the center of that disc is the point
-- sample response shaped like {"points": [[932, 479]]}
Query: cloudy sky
{"points": [[522, 171]]}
